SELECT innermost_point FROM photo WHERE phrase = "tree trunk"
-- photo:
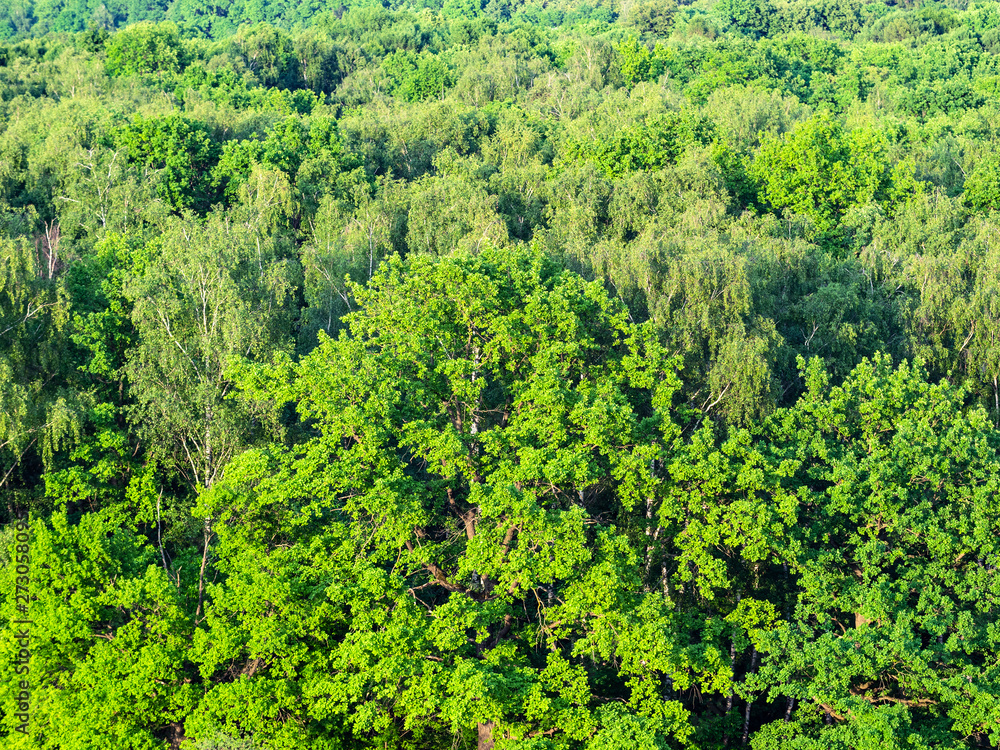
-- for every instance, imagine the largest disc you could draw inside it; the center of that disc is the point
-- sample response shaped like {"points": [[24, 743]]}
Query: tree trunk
{"points": [[746, 715], [996, 400], [649, 542], [201, 573], [485, 740], [732, 661], [788, 709]]}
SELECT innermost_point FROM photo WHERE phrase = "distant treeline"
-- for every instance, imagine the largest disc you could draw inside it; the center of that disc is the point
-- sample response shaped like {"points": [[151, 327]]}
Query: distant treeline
{"points": [[845, 19]]}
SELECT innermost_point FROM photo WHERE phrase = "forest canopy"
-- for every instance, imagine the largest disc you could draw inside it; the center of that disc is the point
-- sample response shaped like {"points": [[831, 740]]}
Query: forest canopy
{"points": [[506, 374]]}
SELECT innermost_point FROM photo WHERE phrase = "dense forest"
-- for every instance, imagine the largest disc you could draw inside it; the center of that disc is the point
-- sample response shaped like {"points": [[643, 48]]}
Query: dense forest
{"points": [[535, 374]]}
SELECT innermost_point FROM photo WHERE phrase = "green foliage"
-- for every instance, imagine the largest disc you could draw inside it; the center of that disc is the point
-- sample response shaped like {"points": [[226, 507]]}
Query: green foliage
{"points": [[639, 64], [651, 17], [314, 51], [145, 48], [181, 152], [344, 452], [982, 189], [466, 449], [649, 145], [108, 638], [822, 172], [417, 77], [747, 16], [893, 555]]}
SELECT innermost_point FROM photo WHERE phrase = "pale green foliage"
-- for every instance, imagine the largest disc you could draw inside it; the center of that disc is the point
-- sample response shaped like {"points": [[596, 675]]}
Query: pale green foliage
{"points": [[36, 415], [448, 213], [748, 115], [947, 265], [204, 299]]}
